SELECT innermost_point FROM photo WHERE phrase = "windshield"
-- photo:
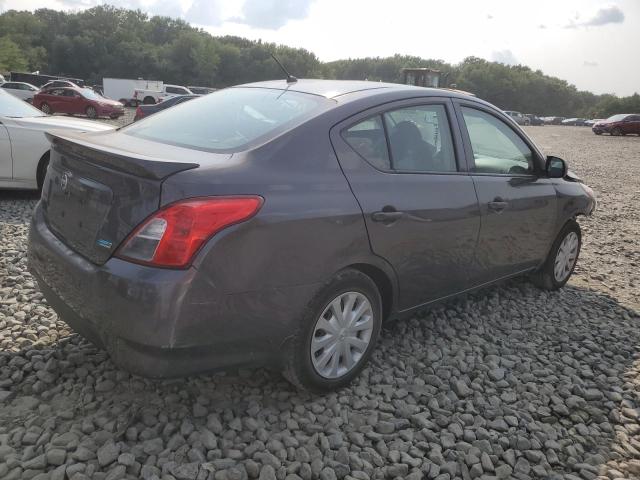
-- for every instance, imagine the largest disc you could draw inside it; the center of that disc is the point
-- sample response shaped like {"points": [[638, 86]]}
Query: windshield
{"points": [[617, 118], [11, 106], [90, 94], [229, 120]]}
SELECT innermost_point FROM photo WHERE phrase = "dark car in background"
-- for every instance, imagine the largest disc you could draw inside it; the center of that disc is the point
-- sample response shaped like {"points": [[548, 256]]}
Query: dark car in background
{"points": [[281, 224], [145, 110], [621, 124], [201, 90], [534, 119], [575, 122], [77, 101]]}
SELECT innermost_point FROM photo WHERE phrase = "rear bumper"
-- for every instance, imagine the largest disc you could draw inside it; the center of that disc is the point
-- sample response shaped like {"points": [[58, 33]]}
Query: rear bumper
{"points": [[160, 322]]}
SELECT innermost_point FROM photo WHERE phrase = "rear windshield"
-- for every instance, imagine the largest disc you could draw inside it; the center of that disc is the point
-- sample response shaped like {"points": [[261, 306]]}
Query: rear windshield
{"points": [[229, 120]]}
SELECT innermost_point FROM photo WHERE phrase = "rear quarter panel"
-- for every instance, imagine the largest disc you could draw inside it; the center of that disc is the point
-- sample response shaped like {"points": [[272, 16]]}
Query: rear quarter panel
{"points": [[28, 146], [309, 227]]}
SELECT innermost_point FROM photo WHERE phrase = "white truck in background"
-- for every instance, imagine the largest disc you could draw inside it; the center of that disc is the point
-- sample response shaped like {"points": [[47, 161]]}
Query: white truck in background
{"points": [[131, 92]]}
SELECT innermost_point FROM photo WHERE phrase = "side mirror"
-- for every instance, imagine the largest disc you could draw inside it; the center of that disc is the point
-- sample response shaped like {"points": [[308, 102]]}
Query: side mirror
{"points": [[555, 167]]}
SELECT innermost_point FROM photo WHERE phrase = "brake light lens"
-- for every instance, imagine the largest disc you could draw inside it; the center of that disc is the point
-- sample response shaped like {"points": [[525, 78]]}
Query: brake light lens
{"points": [[172, 236], [139, 112]]}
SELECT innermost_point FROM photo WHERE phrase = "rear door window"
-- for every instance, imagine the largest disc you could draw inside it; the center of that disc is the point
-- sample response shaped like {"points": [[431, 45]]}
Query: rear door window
{"points": [[367, 138]]}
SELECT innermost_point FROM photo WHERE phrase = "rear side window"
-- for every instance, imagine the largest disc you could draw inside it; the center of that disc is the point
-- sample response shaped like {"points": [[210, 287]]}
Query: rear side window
{"points": [[420, 139], [496, 147], [368, 139], [231, 119]]}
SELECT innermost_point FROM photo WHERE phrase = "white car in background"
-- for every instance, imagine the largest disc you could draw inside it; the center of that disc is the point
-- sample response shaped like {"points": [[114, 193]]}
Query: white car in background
{"points": [[22, 90], [518, 117], [24, 149]]}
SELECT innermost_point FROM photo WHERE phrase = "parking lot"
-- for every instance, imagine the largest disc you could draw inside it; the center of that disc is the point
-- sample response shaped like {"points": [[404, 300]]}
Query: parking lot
{"points": [[509, 382]]}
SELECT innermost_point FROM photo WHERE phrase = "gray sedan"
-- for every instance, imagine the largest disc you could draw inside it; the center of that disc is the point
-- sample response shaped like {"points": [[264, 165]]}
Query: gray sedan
{"points": [[282, 224]]}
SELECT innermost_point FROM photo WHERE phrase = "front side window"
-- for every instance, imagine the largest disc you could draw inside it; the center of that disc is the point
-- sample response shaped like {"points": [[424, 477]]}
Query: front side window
{"points": [[368, 139], [496, 147], [420, 139], [230, 120]]}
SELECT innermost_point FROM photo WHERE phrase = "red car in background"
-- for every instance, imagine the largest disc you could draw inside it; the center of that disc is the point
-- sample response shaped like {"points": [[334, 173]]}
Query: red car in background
{"points": [[77, 101], [620, 124]]}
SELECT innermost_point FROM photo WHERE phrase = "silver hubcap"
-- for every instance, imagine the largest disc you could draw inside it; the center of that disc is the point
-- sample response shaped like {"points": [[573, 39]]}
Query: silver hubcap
{"points": [[566, 257], [341, 335]]}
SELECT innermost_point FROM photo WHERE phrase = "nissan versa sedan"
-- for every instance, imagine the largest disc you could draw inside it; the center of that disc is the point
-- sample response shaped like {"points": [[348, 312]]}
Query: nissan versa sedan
{"points": [[281, 224]]}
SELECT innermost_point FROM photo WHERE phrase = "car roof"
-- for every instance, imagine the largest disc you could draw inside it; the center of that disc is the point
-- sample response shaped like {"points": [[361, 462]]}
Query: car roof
{"points": [[333, 89]]}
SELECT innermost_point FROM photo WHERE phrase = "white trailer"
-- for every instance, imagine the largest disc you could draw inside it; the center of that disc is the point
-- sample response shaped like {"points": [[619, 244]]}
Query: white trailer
{"points": [[127, 90]]}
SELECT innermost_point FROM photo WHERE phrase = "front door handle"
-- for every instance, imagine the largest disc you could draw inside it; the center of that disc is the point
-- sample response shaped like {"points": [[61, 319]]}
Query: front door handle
{"points": [[386, 217], [497, 205]]}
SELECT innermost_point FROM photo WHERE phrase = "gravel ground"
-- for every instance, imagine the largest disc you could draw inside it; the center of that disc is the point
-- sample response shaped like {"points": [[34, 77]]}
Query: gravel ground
{"points": [[508, 382]]}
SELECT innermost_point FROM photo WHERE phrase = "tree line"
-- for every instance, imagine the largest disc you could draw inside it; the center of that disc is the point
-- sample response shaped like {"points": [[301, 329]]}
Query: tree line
{"points": [[105, 41]]}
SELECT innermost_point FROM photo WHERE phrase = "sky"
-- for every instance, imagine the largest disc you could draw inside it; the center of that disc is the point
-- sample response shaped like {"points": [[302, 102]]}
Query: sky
{"points": [[593, 44]]}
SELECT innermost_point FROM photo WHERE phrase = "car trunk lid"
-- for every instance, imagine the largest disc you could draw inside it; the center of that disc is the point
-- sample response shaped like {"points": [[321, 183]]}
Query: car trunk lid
{"points": [[98, 189]]}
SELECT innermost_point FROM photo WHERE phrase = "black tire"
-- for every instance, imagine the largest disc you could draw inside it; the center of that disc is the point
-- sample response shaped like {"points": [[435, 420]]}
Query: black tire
{"points": [[41, 173], [545, 278], [91, 112], [298, 366], [45, 108], [598, 133], [149, 101]]}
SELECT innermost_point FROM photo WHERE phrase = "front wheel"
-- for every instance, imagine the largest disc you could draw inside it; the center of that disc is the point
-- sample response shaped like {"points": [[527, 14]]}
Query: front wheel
{"points": [[562, 258], [337, 335]]}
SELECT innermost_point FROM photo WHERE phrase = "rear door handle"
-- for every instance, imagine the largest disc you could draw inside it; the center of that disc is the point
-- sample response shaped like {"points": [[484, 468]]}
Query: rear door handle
{"points": [[497, 205], [386, 217]]}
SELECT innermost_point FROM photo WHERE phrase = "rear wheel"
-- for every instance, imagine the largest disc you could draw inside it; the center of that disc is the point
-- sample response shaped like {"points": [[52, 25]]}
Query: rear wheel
{"points": [[616, 132], [337, 335], [562, 258], [91, 112], [46, 108]]}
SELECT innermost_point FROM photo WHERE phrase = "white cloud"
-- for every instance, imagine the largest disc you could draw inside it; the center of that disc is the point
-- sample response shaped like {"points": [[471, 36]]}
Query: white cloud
{"points": [[504, 56], [204, 12], [273, 14], [604, 16]]}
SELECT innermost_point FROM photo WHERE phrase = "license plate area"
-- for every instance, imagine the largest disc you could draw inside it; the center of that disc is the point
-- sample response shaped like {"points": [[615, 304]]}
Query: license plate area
{"points": [[77, 208]]}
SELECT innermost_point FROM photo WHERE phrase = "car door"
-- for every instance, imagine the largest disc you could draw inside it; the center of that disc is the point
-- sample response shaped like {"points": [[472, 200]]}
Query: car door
{"points": [[517, 203], [76, 102], [631, 124], [6, 159], [52, 98], [404, 164]]}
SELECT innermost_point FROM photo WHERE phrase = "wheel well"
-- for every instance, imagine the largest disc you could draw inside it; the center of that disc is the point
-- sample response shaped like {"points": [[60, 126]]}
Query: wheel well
{"points": [[383, 283], [39, 170]]}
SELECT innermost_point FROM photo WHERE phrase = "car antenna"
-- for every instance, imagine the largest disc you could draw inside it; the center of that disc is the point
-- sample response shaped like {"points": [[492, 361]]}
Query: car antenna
{"points": [[290, 78]]}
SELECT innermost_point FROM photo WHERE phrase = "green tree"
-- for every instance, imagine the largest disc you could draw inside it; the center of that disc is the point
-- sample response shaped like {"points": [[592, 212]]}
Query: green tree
{"points": [[11, 56]]}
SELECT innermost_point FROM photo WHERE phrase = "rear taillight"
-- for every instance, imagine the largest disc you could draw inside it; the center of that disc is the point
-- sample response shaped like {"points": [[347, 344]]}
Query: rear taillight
{"points": [[173, 235], [139, 112]]}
